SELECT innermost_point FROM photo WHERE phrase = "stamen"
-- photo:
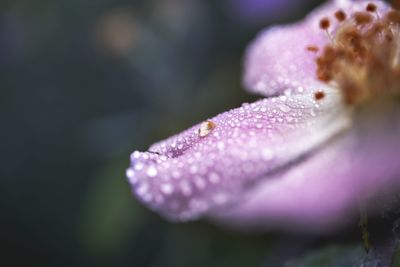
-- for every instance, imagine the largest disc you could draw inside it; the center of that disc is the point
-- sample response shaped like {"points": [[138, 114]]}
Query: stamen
{"points": [[324, 24], [363, 57], [340, 15], [393, 16], [362, 18], [372, 8]]}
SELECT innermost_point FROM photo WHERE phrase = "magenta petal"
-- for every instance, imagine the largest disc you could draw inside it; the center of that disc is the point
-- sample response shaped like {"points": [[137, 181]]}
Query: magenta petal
{"points": [[327, 189], [189, 174], [279, 60]]}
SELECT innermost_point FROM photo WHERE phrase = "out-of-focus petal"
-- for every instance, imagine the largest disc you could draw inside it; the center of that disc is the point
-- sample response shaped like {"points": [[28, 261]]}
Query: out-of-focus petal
{"points": [[280, 58], [326, 190], [256, 11], [194, 172]]}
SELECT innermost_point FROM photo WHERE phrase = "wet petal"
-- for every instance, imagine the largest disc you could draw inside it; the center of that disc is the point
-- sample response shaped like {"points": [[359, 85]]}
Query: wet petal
{"points": [[326, 189], [283, 57], [212, 163]]}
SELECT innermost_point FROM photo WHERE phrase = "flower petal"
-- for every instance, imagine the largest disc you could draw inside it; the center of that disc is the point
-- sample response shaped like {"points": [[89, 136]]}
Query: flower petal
{"points": [[280, 58], [256, 11], [326, 190], [210, 164]]}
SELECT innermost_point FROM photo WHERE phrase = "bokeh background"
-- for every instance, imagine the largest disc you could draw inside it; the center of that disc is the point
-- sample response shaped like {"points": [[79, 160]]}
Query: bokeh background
{"points": [[83, 84]]}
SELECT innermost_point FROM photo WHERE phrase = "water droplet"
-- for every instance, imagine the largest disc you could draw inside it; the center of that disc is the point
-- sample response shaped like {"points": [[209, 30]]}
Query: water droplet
{"points": [[284, 108], [214, 178], [221, 145], [185, 188], [138, 166], [147, 197], [167, 189], [130, 173], [200, 183], [131, 176], [151, 171], [142, 189], [135, 155], [176, 174], [193, 169]]}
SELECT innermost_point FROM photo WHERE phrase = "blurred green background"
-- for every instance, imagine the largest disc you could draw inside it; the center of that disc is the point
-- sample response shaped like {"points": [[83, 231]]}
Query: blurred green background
{"points": [[83, 84]]}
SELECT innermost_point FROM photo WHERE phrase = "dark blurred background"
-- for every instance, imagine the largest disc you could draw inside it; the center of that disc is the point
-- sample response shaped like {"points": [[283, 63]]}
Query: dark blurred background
{"points": [[83, 84]]}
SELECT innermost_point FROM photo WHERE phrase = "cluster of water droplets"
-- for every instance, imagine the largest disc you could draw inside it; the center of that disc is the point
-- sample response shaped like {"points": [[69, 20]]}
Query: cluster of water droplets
{"points": [[191, 173]]}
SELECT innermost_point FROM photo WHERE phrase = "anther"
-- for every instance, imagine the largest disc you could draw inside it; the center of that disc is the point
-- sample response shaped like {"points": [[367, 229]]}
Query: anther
{"points": [[319, 95], [393, 16], [324, 24], [362, 18], [312, 48], [340, 15], [371, 8]]}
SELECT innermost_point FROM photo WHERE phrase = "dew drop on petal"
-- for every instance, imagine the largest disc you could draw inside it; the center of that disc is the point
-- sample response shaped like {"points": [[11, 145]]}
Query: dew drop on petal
{"points": [[284, 108], [193, 169], [200, 183], [131, 175], [151, 171], [167, 189], [221, 145], [176, 174], [185, 188], [142, 189], [138, 166], [214, 178]]}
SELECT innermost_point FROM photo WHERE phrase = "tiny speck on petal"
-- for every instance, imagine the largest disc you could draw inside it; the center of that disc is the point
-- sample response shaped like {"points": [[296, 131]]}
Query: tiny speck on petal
{"points": [[206, 128]]}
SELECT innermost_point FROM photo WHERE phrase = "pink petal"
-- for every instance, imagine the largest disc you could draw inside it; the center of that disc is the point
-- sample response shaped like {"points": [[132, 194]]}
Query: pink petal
{"points": [[327, 189], [278, 59], [189, 175]]}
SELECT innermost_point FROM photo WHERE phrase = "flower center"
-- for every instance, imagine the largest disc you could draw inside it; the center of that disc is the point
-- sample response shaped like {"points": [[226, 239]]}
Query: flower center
{"points": [[363, 56]]}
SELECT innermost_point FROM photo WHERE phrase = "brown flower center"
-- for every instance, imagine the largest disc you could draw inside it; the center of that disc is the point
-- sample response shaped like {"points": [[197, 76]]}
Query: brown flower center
{"points": [[363, 56]]}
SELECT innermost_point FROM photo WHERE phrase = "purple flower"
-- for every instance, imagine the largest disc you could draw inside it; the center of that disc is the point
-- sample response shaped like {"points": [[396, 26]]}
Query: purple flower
{"points": [[325, 139]]}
